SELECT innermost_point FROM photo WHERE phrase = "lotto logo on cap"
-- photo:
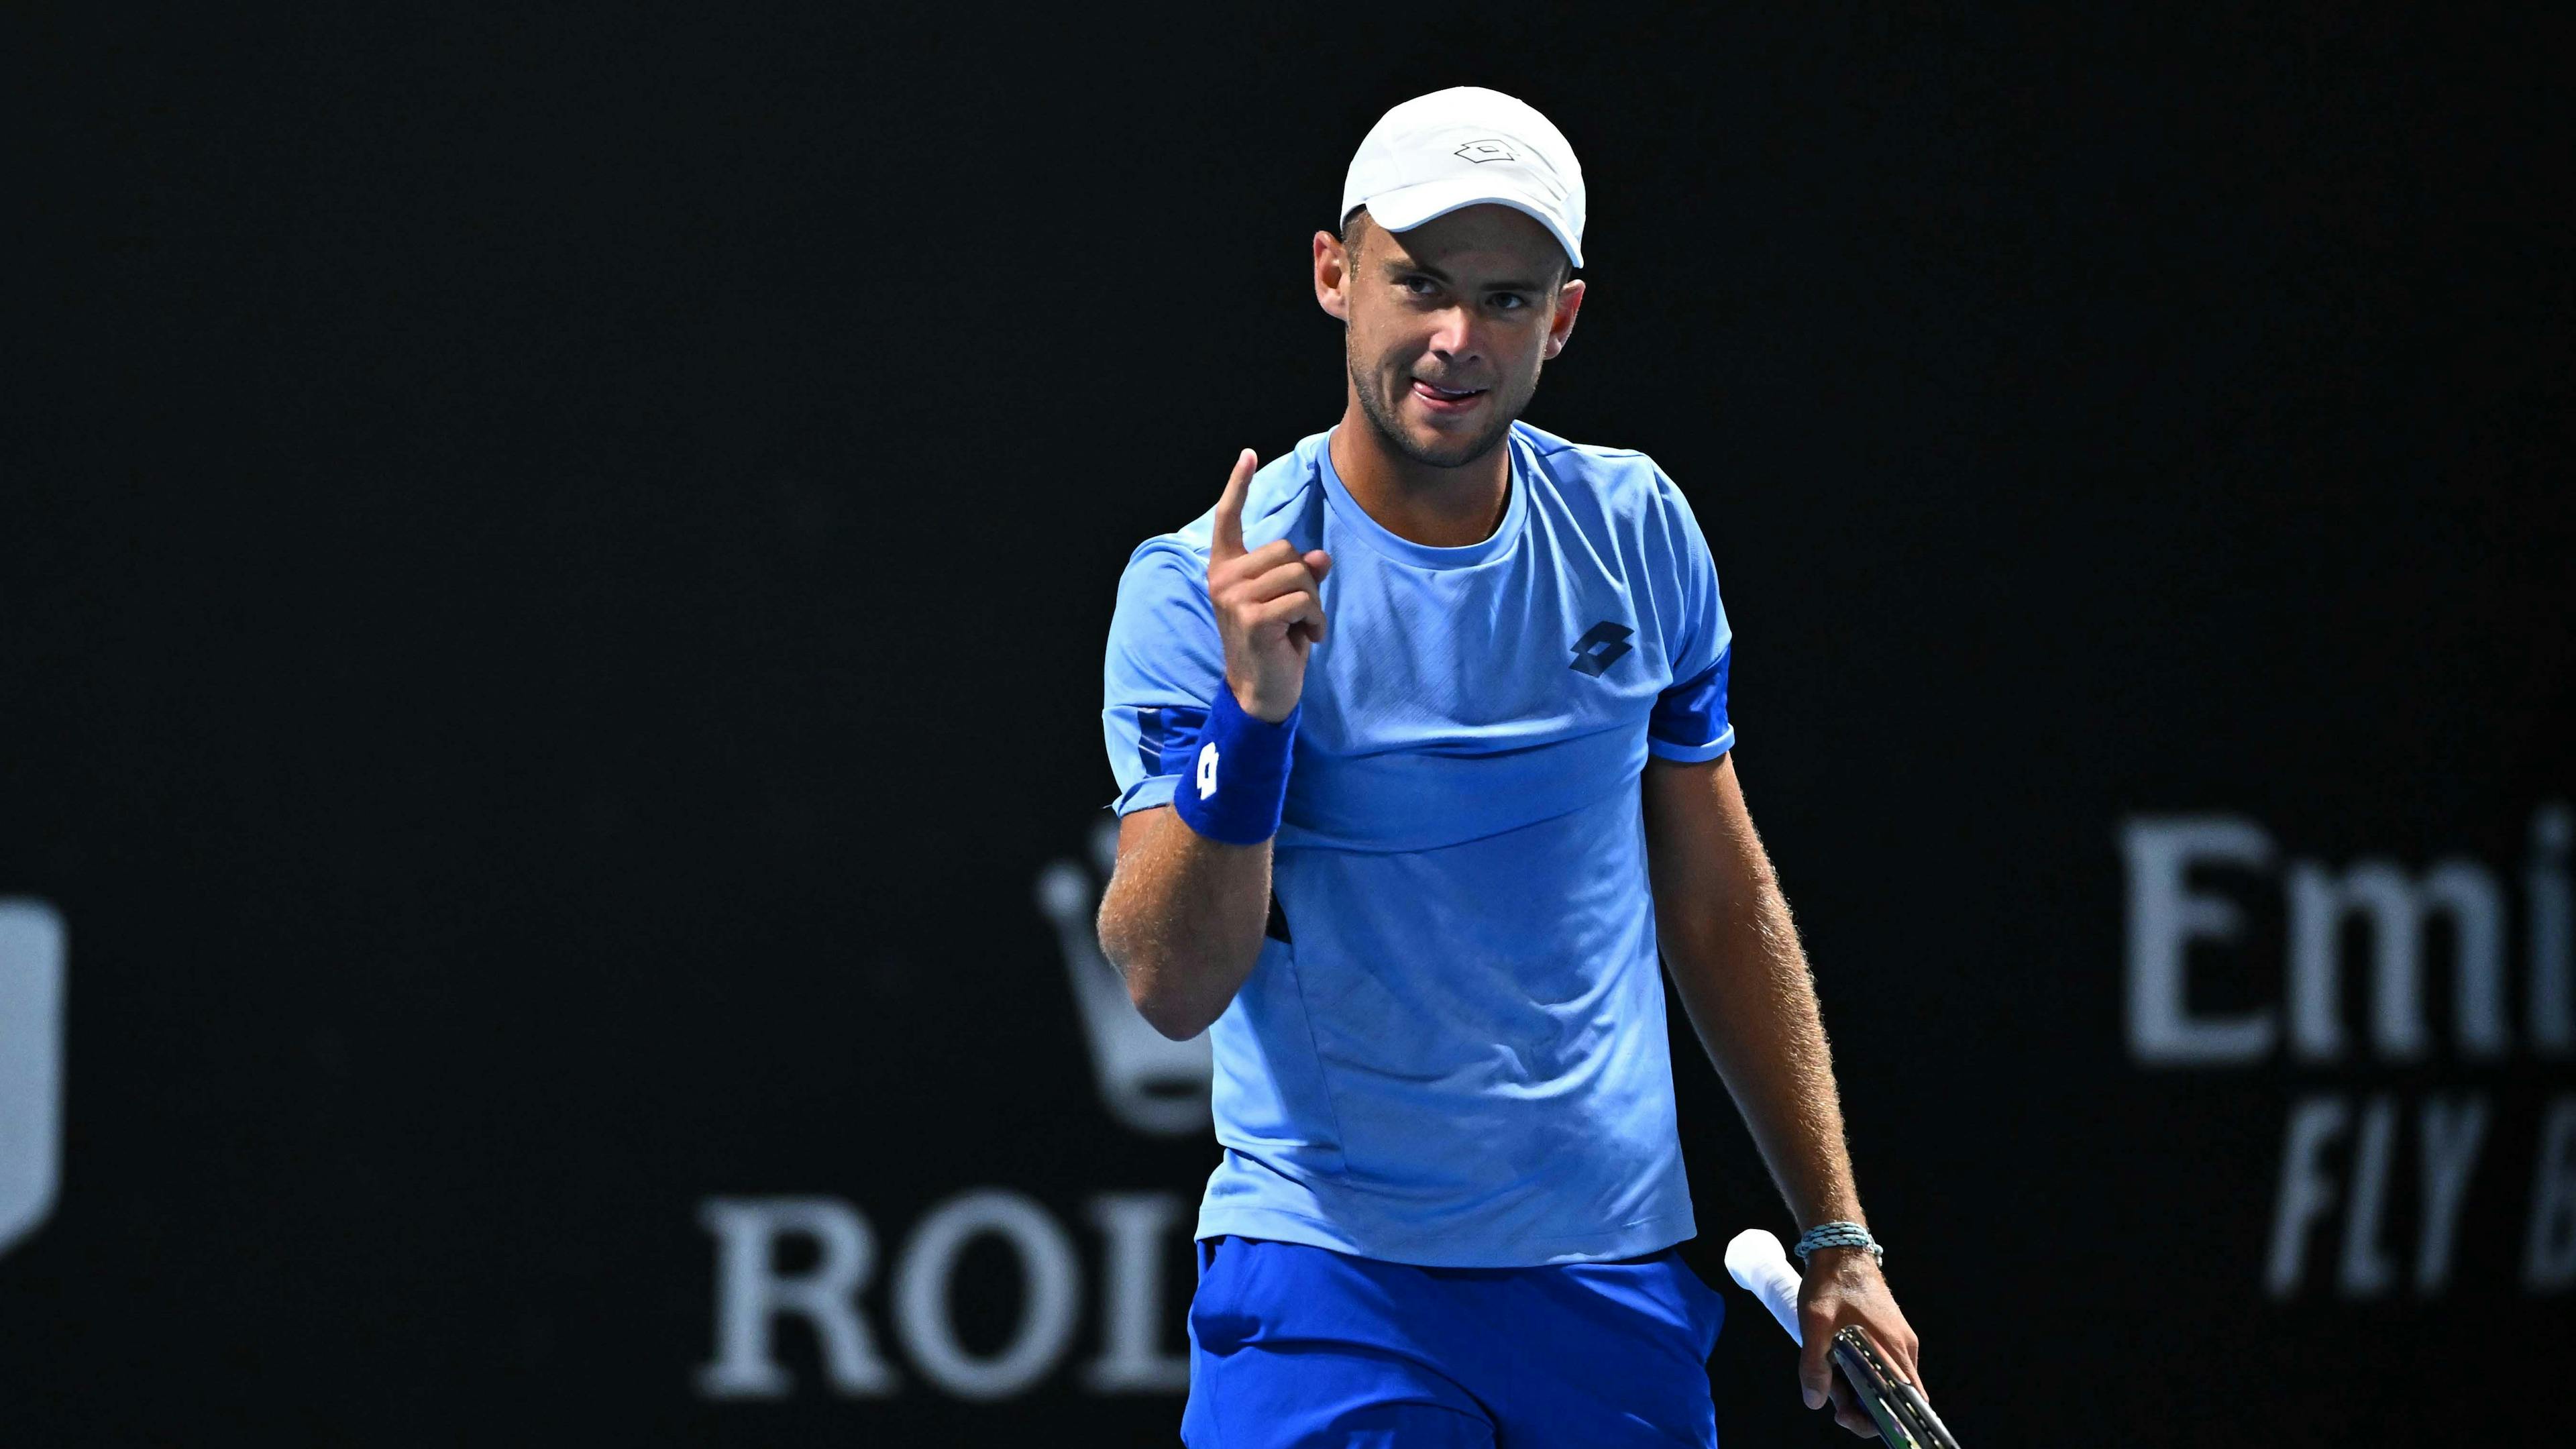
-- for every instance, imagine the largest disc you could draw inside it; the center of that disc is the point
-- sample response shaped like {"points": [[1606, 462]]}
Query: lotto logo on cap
{"points": [[1467, 146]]}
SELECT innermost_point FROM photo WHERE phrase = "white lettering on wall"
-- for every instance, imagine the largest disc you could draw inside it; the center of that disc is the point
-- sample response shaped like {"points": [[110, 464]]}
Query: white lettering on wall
{"points": [[1051, 1292], [2333, 1155], [2552, 1005], [751, 1295], [2307, 1193], [1135, 1225], [1136, 1357], [2549, 1249], [2397, 907], [2363, 1271], [31, 1065], [2168, 916], [2453, 1128], [2450, 1135], [2165, 917]]}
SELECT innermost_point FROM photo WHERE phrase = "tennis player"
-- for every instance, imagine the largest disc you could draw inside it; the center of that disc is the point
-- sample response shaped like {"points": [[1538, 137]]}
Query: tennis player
{"points": [[1423, 748]]}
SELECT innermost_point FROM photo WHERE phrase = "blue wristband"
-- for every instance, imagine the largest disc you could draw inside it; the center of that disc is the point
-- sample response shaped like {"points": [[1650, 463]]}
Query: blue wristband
{"points": [[1238, 775]]}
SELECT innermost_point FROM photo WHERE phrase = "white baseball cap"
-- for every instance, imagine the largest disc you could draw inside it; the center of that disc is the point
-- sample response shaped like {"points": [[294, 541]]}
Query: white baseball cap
{"points": [[1467, 146]]}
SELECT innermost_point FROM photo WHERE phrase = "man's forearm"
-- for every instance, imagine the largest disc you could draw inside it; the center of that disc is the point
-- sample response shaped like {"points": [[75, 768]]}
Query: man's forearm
{"points": [[1736, 963], [1182, 919], [1726, 934], [1751, 1001]]}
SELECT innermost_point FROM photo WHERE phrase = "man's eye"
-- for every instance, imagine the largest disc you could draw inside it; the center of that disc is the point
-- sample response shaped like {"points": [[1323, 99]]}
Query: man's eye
{"points": [[1510, 301], [1421, 286]]}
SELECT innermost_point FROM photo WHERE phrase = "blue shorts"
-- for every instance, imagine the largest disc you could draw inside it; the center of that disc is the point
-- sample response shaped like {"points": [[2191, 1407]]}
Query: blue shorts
{"points": [[1304, 1347]]}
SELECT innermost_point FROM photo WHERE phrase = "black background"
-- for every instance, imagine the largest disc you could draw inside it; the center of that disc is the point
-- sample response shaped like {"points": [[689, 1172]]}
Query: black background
{"points": [[554, 570]]}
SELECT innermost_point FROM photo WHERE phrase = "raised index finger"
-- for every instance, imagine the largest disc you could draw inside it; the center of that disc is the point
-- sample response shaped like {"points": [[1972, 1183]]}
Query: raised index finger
{"points": [[1226, 541]]}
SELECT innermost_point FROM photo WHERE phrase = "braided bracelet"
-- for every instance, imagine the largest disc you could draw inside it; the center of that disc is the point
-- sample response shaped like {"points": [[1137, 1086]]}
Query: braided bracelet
{"points": [[1838, 1235]]}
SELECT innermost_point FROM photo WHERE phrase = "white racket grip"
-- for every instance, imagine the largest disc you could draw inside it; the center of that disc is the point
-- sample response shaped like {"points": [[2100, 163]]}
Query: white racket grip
{"points": [[1758, 1264]]}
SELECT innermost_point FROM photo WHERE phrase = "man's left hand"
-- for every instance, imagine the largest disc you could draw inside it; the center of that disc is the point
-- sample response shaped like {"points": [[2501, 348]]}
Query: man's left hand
{"points": [[1843, 1287]]}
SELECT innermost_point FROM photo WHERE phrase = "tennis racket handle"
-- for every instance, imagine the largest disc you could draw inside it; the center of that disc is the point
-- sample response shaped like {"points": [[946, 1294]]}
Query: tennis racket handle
{"points": [[1760, 1266]]}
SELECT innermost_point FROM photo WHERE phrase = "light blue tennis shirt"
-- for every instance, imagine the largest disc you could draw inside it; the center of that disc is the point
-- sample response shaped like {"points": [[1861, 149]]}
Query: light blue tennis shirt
{"points": [[1452, 1048]]}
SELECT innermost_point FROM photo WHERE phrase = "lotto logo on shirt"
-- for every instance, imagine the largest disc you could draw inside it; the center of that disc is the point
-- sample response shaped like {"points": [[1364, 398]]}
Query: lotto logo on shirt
{"points": [[1604, 645]]}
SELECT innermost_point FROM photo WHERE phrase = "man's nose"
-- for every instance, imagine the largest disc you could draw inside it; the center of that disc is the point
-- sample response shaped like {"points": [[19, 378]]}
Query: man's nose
{"points": [[1453, 335]]}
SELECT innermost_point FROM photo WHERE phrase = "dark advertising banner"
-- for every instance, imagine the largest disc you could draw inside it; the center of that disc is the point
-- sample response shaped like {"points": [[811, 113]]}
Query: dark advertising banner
{"points": [[552, 598]]}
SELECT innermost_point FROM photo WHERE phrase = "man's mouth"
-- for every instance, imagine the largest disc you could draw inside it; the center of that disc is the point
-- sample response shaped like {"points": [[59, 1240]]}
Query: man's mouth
{"points": [[1446, 399]]}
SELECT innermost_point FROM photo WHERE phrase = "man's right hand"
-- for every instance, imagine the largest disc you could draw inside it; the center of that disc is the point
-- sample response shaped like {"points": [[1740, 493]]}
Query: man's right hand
{"points": [[1269, 610]]}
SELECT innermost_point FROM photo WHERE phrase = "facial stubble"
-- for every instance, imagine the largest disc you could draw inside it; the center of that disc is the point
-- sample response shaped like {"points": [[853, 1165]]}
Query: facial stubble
{"points": [[1381, 412]]}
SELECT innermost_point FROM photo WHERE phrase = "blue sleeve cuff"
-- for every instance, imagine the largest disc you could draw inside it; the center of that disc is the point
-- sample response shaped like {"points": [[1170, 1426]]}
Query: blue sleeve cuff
{"points": [[1692, 754], [1149, 748], [1164, 736], [1689, 721], [1145, 794]]}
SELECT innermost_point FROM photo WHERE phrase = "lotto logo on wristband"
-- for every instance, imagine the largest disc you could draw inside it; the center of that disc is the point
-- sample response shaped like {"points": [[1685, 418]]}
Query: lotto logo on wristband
{"points": [[1243, 808]]}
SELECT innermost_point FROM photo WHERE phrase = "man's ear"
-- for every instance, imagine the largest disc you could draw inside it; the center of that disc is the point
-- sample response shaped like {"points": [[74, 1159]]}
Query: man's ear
{"points": [[1332, 276], [1569, 300]]}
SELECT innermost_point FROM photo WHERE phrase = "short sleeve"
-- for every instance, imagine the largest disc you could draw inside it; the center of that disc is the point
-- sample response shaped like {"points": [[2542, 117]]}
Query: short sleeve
{"points": [[1165, 663], [1690, 722]]}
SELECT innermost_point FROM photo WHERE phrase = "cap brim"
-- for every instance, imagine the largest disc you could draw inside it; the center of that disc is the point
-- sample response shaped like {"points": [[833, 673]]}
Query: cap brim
{"points": [[1407, 207]]}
